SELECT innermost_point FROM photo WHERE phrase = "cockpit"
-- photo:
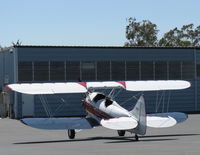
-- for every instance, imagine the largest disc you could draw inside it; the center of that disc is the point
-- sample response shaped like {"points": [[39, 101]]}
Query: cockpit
{"points": [[99, 96], [108, 102]]}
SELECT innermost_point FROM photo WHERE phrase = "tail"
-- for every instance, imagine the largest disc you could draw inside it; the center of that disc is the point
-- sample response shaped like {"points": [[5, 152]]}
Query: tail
{"points": [[139, 112]]}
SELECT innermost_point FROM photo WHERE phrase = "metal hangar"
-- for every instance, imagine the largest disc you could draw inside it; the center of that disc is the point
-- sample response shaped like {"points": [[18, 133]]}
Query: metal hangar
{"points": [[29, 64]]}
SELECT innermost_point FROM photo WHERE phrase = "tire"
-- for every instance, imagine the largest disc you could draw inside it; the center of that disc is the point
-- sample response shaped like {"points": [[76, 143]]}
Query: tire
{"points": [[71, 134], [121, 132], [136, 137]]}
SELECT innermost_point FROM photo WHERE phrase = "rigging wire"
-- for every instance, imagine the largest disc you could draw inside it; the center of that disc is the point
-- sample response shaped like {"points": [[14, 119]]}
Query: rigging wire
{"points": [[159, 102], [114, 93], [45, 106], [163, 102], [111, 93], [169, 97], [132, 97], [157, 96], [62, 103], [118, 92]]}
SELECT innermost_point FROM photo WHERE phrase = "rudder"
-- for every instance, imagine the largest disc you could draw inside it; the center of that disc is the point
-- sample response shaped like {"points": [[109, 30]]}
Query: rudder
{"points": [[139, 112]]}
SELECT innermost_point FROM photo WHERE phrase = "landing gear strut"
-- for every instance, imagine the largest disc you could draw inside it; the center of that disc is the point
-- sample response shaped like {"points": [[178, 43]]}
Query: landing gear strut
{"points": [[121, 132], [136, 137], [71, 134]]}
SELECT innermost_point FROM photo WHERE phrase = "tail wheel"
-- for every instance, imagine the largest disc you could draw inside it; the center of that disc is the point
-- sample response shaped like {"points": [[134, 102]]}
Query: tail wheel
{"points": [[136, 137], [71, 134], [121, 132]]}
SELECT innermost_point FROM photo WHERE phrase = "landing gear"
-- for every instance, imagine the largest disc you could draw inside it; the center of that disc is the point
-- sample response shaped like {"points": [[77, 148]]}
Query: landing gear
{"points": [[136, 137], [121, 132], [71, 134]]}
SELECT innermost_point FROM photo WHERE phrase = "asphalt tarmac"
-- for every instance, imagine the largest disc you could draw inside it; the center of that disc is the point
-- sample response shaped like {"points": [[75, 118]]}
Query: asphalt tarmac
{"points": [[18, 139]]}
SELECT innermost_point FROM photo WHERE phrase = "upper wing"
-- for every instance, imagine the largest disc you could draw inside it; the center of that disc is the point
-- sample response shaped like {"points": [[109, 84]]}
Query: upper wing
{"points": [[121, 123], [163, 120], [82, 87], [59, 123], [48, 88], [157, 85]]}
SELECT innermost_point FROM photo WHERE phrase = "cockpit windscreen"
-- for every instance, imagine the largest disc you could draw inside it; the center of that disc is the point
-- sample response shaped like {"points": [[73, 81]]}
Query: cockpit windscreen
{"points": [[99, 97]]}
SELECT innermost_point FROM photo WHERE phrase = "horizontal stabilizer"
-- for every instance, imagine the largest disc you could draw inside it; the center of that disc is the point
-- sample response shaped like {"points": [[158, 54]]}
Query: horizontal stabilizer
{"points": [[163, 120], [57, 123], [121, 123], [82, 87]]}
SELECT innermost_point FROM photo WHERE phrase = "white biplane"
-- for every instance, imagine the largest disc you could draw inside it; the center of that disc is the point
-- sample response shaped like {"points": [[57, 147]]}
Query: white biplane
{"points": [[103, 110]]}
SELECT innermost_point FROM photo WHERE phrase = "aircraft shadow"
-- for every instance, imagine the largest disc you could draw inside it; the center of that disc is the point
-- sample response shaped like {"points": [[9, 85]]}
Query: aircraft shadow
{"points": [[76, 140], [115, 139]]}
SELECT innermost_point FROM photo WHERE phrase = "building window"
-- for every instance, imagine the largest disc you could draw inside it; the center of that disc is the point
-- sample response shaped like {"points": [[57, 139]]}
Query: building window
{"points": [[25, 71], [132, 70], [41, 71], [174, 70], [73, 71], [118, 70], [187, 70], [88, 71], [147, 72], [57, 71], [103, 70], [160, 70]]}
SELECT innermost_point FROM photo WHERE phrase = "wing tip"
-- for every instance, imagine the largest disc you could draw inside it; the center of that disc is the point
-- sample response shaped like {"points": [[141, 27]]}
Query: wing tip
{"points": [[8, 87], [190, 84], [22, 121]]}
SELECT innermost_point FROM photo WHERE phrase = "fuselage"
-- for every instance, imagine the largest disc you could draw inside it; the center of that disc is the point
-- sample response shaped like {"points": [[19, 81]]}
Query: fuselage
{"points": [[99, 106]]}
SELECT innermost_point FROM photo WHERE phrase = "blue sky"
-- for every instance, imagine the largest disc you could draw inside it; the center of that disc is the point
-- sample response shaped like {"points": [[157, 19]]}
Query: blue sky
{"points": [[87, 22]]}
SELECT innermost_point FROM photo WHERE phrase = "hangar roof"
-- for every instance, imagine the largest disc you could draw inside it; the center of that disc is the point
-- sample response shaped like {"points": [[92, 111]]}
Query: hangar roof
{"points": [[117, 47]]}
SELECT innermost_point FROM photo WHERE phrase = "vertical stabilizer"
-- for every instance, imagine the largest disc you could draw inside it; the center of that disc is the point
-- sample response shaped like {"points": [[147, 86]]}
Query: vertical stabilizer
{"points": [[139, 112]]}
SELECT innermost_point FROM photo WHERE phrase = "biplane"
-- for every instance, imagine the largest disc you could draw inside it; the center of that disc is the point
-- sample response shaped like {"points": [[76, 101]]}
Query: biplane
{"points": [[102, 109]]}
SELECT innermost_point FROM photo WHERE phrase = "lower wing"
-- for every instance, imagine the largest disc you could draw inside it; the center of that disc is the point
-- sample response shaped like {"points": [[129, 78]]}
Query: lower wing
{"points": [[120, 123], [60, 123], [163, 120]]}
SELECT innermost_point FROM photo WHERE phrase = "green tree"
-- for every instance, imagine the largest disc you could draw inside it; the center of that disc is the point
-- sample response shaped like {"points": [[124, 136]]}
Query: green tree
{"points": [[17, 43], [145, 34], [141, 33], [186, 36]]}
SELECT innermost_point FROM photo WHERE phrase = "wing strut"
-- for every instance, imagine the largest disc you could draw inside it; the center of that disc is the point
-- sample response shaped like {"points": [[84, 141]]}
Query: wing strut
{"points": [[45, 106], [162, 100]]}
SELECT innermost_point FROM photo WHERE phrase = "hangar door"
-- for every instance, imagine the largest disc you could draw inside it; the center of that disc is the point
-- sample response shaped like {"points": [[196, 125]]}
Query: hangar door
{"points": [[27, 105]]}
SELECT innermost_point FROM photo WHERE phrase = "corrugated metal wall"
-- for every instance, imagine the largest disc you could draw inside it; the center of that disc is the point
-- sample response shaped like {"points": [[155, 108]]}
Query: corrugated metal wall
{"points": [[198, 80], [1, 69], [7, 76], [183, 100], [100, 54]]}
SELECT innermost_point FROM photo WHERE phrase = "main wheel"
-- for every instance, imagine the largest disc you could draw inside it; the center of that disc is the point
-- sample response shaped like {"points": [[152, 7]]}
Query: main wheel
{"points": [[121, 132], [71, 134], [136, 137]]}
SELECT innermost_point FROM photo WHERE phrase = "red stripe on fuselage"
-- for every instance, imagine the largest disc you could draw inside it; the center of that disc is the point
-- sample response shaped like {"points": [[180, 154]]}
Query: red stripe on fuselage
{"points": [[96, 111]]}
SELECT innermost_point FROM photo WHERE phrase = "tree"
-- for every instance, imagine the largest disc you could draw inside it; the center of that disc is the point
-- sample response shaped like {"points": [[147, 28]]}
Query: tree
{"points": [[186, 36], [145, 34], [141, 33], [17, 43]]}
